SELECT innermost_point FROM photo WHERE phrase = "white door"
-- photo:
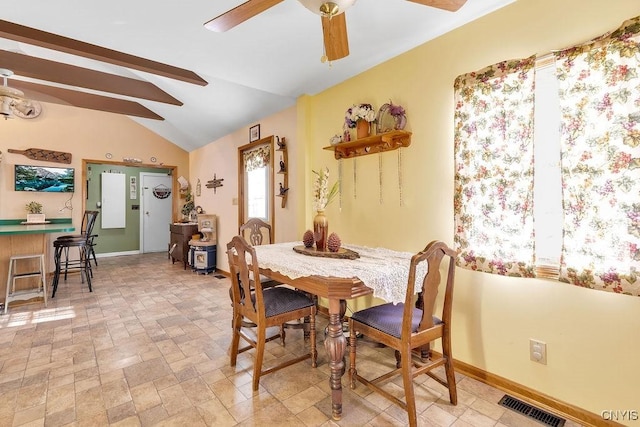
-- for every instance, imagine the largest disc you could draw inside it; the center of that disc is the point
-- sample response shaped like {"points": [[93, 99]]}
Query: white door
{"points": [[156, 202]]}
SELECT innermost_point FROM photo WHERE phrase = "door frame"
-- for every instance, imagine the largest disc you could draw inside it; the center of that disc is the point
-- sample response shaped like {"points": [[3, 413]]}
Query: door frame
{"points": [[173, 172]]}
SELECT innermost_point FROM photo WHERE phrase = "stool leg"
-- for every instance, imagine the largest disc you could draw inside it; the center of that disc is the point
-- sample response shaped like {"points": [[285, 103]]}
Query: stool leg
{"points": [[66, 262], [56, 274], [86, 261], [9, 276], [44, 280]]}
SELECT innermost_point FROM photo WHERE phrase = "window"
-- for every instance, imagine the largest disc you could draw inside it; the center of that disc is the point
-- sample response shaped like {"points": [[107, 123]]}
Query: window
{"points": [[256, 181], [586, 174]]}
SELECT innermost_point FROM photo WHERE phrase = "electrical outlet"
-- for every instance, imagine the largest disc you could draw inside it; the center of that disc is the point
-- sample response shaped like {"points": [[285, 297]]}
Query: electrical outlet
{"points": [[538, 351]]}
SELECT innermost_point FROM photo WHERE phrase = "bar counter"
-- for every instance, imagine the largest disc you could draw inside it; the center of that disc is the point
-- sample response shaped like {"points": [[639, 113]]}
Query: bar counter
{"points": [[23, 239]]}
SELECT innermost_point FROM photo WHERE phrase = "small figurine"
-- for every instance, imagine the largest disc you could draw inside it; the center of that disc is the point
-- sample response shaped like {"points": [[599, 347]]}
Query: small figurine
{"points": [[281, 143], [281, 165], [283, 190]]}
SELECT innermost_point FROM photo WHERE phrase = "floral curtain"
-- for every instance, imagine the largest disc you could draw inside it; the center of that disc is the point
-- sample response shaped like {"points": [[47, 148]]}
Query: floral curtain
{"points": [[257, 158], [493, 201], [600, 103]]}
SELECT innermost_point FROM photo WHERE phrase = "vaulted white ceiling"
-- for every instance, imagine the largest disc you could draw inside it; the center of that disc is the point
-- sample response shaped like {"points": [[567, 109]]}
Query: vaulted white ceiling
{"points": [[254, 70]]}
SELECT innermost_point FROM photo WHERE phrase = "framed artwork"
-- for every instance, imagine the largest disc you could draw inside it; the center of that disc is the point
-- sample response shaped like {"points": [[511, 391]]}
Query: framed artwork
{"points": [[254, 133]]}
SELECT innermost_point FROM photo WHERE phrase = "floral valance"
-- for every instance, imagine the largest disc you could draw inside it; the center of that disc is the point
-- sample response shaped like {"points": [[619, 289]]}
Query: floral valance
{"points": [[257, 158]]}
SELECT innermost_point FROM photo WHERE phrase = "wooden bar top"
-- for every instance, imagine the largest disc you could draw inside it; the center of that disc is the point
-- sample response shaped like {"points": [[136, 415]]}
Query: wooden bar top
{"points": [[56, 225]]}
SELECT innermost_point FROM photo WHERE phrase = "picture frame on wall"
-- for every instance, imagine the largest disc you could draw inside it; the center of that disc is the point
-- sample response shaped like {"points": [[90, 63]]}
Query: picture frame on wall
{"points": [[254, 133]]}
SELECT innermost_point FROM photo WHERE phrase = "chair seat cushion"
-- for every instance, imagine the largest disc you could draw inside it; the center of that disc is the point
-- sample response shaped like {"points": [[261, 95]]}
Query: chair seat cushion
{"points": [[387, 318], [280, 300]]}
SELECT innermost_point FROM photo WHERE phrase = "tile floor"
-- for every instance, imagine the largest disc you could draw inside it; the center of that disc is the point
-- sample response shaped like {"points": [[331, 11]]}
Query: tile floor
{"points": [[149, 348]]}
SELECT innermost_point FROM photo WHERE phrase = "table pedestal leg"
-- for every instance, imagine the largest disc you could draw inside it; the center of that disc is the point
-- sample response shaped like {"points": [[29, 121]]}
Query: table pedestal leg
{"points": [[335, 344]]}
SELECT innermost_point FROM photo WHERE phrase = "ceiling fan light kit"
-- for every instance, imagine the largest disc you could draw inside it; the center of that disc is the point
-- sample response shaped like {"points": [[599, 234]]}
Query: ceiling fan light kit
{"points": [[334, 26], [327, 8], [14, 102]]}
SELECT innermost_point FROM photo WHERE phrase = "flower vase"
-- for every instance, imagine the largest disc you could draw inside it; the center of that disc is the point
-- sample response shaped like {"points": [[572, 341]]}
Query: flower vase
{"points": [[362, 129], [320, 231]]}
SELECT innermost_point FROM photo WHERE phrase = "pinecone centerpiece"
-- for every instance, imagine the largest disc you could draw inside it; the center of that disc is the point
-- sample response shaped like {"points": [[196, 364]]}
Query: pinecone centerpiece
{"points": [[307, 239], [333, 242]]}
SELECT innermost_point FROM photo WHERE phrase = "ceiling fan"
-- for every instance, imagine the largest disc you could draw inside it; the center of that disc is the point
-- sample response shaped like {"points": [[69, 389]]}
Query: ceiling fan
{"points": [[334, 27], [13, 102]]}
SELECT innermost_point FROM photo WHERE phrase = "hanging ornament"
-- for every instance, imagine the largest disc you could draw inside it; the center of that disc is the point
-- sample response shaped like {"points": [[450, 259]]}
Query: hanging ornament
{"points": [[355, 178], [400, 174], [380, 175], [340, 183]]}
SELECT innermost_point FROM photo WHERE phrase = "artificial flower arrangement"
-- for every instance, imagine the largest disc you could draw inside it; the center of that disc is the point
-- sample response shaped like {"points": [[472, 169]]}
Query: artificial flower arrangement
{"points": [[358, 112], [322, 195]]}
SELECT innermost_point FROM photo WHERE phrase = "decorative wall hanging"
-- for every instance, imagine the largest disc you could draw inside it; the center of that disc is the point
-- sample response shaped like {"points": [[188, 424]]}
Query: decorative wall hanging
{"points": [[215, 183], [161, 191], [254, 133], [390, 117], [44, 155], [198, 188], [133, 188]]}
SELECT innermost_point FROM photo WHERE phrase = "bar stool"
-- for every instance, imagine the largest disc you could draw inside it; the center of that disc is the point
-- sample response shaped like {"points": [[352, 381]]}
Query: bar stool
{"points": [[25, 294], [82, 264]]}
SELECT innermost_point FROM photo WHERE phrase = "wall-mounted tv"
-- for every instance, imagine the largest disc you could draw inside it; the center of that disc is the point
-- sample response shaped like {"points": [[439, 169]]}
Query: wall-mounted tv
{"points": [[49, 179]]}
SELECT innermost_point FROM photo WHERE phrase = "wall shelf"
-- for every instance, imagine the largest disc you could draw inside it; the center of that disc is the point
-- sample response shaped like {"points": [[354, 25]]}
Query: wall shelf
{"points": [[387, 141], [282, 148]]}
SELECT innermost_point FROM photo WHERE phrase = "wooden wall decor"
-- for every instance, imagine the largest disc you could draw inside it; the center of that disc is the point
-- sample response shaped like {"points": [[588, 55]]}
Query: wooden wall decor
{"points": [[215, 183], [44, 155]]}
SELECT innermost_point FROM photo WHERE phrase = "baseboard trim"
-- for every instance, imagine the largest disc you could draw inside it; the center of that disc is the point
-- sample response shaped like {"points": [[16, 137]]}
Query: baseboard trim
{"points": [[533, 397], [112, 254]]}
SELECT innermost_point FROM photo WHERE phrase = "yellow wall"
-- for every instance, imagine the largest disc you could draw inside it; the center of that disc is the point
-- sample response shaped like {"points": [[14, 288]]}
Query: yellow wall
{"points": [[221, 158], [591, 335], [86, 134]]}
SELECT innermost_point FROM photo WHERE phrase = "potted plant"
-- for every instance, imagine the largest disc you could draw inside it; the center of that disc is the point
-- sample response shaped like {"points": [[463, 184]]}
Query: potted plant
{"points": [[34, 212], [188, 206]]}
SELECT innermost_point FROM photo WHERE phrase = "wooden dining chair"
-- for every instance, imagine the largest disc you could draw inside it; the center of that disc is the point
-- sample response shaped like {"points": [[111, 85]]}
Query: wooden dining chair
{"points": [[264, 307], [409, 330], [258, 232]]}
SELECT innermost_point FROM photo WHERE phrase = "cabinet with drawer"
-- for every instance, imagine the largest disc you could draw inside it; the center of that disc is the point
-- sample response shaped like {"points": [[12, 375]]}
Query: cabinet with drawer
{"points": [[179, 243]]}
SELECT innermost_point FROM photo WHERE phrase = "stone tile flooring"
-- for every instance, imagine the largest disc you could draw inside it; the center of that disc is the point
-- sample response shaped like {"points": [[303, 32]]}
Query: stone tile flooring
{"points": [[149, 348]]}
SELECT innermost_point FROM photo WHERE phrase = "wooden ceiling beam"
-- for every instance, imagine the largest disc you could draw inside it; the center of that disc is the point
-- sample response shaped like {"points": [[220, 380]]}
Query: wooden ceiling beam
{"points": [[44, 69], [20, 33], [74, 98]]}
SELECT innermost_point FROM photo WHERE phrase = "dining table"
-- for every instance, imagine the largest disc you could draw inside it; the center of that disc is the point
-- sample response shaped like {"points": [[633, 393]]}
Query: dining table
{"points": [[380, 272]]}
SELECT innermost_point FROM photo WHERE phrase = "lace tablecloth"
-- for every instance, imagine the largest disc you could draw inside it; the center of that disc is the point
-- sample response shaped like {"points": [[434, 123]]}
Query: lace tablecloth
{"points": [[383, 270]]}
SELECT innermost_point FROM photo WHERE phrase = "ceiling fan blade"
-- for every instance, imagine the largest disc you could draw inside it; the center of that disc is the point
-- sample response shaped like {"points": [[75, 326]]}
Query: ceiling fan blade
{"points": [[336, 43], [450, 5], [239, 14]]}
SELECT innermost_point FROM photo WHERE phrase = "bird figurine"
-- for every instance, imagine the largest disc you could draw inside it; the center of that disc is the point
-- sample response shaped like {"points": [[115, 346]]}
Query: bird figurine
{"points": [[283, 190], [281, 143]]}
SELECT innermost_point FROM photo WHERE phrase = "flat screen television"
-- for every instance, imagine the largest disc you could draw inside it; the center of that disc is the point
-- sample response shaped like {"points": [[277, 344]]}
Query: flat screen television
{"points": [[48, 179]]}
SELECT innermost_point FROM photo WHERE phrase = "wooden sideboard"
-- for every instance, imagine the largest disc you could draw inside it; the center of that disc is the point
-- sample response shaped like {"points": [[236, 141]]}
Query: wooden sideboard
{"points": [[179, 243]]}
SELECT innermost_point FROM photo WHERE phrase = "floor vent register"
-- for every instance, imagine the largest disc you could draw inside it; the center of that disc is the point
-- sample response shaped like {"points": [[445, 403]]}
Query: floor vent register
{"points": [[531, 411]]}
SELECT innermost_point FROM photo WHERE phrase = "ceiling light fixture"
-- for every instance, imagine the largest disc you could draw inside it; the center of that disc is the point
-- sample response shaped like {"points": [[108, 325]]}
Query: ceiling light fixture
{"points": [[327, 8], [14, 102], [5, 107], [25, 107]]}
